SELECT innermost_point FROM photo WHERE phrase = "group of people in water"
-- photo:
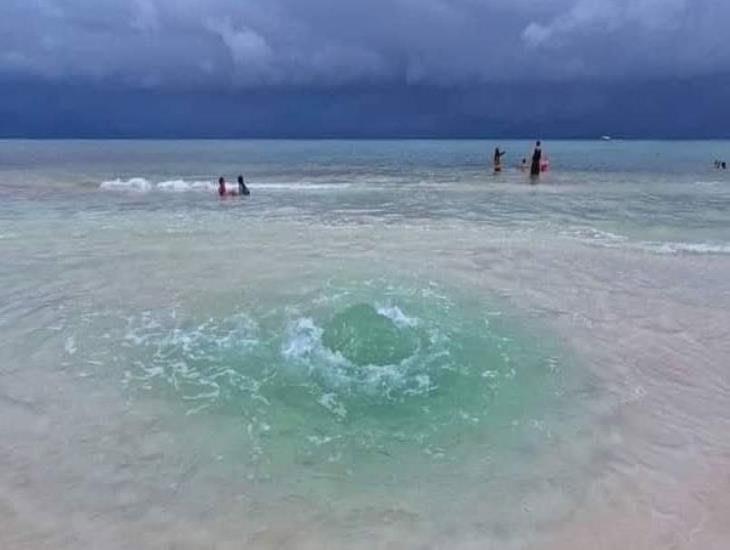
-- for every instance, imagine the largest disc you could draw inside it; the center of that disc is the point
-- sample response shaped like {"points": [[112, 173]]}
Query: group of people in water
{"points": [[224, 192], [538, 165]]}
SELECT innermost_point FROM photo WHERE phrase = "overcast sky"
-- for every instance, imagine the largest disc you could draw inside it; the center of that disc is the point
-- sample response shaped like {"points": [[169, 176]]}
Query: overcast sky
{"points": [[245, 45]]}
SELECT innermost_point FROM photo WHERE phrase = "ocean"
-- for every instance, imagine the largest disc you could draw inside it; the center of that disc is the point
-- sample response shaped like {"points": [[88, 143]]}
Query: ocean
{"points": [[384, 346]]}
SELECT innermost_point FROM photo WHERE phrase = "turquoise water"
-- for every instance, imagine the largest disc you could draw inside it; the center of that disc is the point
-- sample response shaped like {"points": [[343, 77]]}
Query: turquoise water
{"points": [[353, 374], [385, 341], [651, 192]]}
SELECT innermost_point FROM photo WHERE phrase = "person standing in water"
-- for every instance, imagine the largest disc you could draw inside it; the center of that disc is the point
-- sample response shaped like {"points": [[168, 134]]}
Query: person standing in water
{"points": [[242, 189], [498, 159], [222, 192], [536, 160]]}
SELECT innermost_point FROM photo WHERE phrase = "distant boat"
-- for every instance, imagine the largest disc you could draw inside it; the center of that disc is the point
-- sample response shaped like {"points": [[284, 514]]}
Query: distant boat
{"points": [[606, 138]]}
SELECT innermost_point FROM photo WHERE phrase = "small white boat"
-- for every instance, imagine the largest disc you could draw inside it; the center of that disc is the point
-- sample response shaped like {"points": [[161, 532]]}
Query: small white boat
{"points": [[606, 138]]}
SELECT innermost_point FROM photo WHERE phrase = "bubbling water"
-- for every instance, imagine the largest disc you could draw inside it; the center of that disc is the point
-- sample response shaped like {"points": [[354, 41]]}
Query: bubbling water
{"points": [[367, 337], [347, 376]]}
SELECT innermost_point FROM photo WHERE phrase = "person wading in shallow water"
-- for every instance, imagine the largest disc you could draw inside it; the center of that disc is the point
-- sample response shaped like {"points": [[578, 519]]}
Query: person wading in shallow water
{"points": [[242, 189], [498, 159], [222, 192], [535, 167]]}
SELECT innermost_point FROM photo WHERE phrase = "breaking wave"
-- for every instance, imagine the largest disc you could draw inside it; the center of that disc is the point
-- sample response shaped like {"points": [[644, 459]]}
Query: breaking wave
{"points": [[144, 185]]}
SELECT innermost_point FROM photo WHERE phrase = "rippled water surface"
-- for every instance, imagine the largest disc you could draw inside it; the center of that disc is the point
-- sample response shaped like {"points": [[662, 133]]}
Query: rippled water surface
{"points": [[385, 344]]}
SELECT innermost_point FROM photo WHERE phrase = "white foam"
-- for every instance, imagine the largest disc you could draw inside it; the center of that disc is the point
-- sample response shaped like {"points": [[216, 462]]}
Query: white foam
{"points": [[181, 186], [320, 440], [330, 402], [174, 355], [70, 346], [303, 345], [608, 239], [138, 185], [143, 185], [593, 234], [685, 248], [304, 338], [400, 319]]}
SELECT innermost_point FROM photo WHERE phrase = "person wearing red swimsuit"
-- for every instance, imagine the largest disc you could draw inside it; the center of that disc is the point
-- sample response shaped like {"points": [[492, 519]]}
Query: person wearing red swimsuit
{"points": [[222, 192]]}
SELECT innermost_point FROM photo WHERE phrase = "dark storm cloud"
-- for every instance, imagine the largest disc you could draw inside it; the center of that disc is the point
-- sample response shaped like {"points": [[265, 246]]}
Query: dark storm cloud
{"points": [[252, 43]]}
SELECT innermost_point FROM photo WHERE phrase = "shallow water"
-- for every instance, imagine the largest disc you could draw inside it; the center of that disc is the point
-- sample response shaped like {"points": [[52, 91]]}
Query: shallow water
{"points": [[384, 344]]}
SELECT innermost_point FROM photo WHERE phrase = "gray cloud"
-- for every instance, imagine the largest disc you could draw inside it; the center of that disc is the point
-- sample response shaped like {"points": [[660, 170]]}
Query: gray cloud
{"points": [[250, 43]]}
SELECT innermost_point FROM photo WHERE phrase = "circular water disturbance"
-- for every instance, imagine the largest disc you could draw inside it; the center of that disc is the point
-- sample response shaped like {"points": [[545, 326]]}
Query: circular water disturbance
{"points": [[360, 384], [361, 367], [365, 336]]}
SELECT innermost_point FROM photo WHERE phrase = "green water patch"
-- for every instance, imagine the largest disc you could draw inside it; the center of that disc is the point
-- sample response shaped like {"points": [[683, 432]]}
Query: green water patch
{"points": [[350, 378], [365, 336]]}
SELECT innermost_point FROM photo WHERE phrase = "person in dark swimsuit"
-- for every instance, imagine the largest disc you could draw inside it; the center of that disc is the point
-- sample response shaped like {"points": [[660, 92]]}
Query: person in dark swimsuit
{"points": [[536, 160], [498, 159], [242, 189]]}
